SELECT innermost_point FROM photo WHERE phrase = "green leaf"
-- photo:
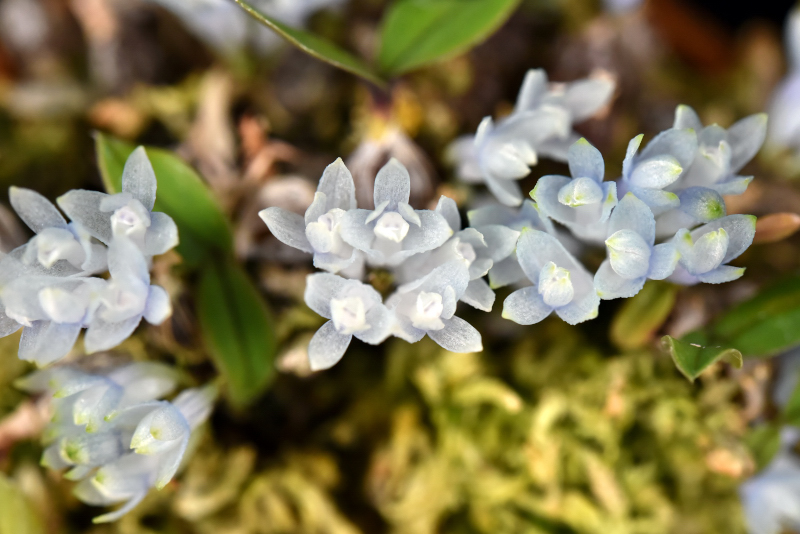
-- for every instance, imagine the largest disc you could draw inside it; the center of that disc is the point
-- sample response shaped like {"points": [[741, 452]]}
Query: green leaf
{"points": [[202, 226], [237, 329], [764, 442], [316, 46], [639, 318], [765, 325], [17, 516], [692, 357], [419, 32]]}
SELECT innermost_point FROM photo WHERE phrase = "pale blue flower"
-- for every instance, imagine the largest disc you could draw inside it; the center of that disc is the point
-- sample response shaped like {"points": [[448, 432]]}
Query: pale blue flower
{"points": [[353, 309], [649, 174], [55, 240], [584, 202], [159, 442], [706, 250], [540, 125], [319, 231], [505, 267], [393, 231], [477, 250], [126, 298], [633, 256], [721, 153], [561, 283], [428, 306], [51, 312], [113, 433], [128, 214]]}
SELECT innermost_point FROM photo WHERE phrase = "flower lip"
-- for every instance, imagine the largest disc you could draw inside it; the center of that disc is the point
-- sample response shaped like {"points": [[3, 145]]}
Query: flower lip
{"points": [[428, 311], [349, 315], [392, 226], [555, 285], [466, 252]]}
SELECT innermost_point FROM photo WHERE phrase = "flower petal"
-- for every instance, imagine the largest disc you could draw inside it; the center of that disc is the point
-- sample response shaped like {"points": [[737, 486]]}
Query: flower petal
{"points": [[680, 144], [657, 200], [585, 161], [500, 240], [104, 336], [580, 309], [479, 295], [158, 307], [656, 173], [337, 185], [289, 228], [663, 260], [686, 118], [321, 288], [533, 88], [392, 184], [746, 137], [702, 204], [457, 336], [525, 306], [584, 98], [740, 229], [161, 236], [327, 347], [35, 210], [610, 285], [139, 178], [629, 254], [431, 233], [505, 272], [448, 209], [722, 274], [126, 260], [84, 207], [381, 322], [45, 342], [505, 191], [7, 325]]}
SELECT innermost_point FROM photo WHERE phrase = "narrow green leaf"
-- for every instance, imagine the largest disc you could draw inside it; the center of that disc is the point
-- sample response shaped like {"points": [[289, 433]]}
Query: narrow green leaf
{"points": [[237, 329], [202, 227], [419, 32], [765, 325], [17, 516], [315, 46], [692, 357], [639, 318]]}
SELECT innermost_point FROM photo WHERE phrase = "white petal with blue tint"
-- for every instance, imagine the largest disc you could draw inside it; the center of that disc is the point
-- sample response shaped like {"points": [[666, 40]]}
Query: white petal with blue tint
{"points": [[327, 347], [628, 253], [525, 306], [289, 228], [585, 161]]}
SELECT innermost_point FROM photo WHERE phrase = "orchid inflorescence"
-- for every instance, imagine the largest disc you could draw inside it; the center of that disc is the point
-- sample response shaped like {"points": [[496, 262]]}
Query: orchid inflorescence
{"points": [[665, 218], [670, 191], [113, 433], [110, 428]]}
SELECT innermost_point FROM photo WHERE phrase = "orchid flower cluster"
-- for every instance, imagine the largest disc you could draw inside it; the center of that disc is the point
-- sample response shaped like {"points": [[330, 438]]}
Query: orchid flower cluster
{"points": [[109, 428], [113, 434], [47, 287], [670, 190]]}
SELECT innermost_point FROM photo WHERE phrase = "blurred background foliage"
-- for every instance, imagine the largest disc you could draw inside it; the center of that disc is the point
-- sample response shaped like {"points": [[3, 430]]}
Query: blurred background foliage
{"points": [[552, 429]]}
